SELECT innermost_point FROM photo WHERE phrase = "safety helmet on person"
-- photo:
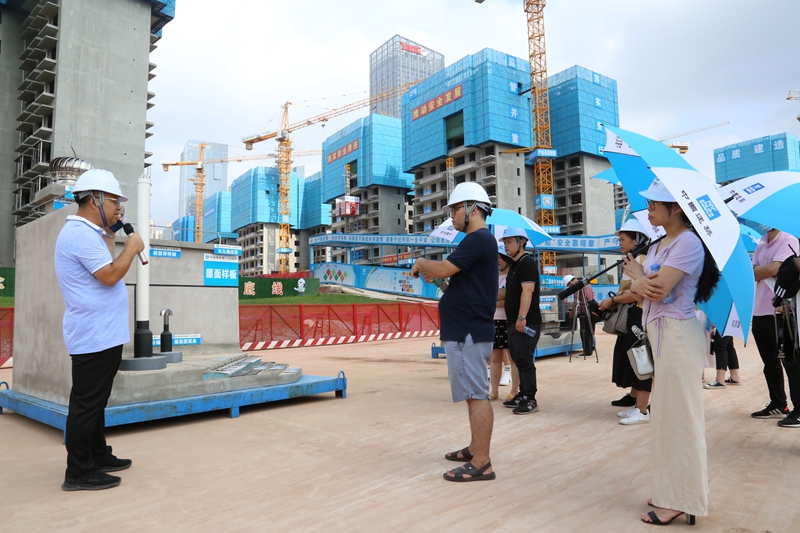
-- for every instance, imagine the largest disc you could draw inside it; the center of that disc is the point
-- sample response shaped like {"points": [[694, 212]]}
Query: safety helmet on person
{"points": [[501, 251], [98, 180], [566, 280], [632, 225], [658, 192], [515, 232], [466, 192]]}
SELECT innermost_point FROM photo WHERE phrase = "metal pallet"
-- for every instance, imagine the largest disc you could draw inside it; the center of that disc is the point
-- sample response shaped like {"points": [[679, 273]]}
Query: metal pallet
{"points": [[55, 415]]}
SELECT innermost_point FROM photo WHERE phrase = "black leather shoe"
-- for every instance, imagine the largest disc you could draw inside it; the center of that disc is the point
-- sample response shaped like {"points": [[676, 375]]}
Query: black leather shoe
{"points": [[625, 401]]}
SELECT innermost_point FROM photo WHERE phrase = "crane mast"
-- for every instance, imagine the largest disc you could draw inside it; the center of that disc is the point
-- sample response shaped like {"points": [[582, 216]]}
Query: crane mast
{"points": [[540, 111]]}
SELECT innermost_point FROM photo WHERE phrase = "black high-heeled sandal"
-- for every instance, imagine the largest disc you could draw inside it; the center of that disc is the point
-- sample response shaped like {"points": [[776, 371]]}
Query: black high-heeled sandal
{"points": [[690, 519]]}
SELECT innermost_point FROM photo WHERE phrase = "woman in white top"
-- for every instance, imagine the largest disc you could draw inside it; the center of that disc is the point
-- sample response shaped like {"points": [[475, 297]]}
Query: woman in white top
{"points": [[500, 347]]}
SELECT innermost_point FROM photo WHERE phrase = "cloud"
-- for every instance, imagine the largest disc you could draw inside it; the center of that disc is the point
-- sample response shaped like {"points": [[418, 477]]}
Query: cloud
{"points": [[225, 68]]}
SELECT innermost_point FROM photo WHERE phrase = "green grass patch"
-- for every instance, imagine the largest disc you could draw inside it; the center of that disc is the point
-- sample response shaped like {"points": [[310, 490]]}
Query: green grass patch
{"points": [[311, 299], [6, 301]]}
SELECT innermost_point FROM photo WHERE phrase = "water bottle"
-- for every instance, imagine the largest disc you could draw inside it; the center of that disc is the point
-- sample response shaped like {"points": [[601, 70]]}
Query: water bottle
{"points": [[671, 296], [530, 331]]}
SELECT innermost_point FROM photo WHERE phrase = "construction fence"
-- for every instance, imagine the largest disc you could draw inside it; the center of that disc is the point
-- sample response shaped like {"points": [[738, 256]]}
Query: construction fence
{"points": [[263, 327], [6, 334]]}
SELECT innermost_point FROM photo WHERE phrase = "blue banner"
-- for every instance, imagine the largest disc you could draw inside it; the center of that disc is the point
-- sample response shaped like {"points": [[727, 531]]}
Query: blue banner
{"points": [[220, 271]]}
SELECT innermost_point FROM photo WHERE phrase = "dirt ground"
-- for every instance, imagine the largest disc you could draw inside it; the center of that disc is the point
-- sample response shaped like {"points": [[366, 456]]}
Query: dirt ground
{"points": [[374, 461]]}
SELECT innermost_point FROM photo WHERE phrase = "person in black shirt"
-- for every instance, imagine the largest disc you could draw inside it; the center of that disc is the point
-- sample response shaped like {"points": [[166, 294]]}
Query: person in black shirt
{"points": [[466, 312], [524, 318]]}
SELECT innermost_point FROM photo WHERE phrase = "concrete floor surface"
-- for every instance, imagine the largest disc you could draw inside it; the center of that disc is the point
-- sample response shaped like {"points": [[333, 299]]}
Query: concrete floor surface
{"points": [[374, 461]]}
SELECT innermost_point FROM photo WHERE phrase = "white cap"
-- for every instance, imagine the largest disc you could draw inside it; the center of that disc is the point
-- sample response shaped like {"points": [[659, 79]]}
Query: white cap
{"points": [[515, 232], [567, 279], [658, 192], [98, 180], [470, 191], [634, 226]]}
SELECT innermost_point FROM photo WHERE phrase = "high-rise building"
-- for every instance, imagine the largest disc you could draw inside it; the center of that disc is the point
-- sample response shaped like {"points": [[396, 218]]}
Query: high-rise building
{"points": [[74, 85], [765, 154], [376, 190], [397, 62], [216, 179], [582, 103], [470, 113]]}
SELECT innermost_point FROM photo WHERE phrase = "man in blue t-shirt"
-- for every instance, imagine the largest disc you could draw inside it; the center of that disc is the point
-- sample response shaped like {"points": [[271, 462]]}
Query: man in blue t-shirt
{"points": [[95, 324], [466, 314]]}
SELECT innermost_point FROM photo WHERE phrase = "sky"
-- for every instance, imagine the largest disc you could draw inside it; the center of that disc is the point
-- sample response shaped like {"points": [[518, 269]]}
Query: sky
{"points": [[225, 68]]}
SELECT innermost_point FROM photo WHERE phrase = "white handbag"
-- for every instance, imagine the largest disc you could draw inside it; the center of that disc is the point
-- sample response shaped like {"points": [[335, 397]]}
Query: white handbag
{"points": [[641, 358]]}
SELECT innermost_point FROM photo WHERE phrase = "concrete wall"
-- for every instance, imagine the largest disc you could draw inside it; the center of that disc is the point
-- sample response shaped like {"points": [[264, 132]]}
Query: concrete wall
{"points": [[101, 86], [42, 366], [510, 177], [10, 78], [599, 197]]}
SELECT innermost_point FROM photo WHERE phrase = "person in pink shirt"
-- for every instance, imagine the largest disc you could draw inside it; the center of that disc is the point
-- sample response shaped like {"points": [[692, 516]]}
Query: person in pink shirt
{"points": [[677, 273], [775, 246]]}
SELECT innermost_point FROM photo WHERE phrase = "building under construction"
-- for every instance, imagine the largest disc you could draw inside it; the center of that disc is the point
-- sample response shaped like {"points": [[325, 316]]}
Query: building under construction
{"points": [[50, 55]]}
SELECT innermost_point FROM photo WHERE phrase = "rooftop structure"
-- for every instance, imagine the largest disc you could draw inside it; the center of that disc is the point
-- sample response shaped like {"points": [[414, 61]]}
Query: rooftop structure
{"points": [[397, 62], [765, 154]]}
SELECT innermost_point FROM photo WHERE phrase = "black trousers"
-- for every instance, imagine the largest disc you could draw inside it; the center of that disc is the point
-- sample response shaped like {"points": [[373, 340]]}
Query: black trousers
{"points": [[92, 379], [725, 352], [764, 334], [587, 333], [522, 347]]}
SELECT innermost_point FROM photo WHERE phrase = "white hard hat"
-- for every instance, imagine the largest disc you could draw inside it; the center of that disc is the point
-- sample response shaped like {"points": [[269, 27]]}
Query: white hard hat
{"points": [[632, 225], [567, 279], [501, 250], [470, 191], [658, 192], [515, 232], [98, 180]]}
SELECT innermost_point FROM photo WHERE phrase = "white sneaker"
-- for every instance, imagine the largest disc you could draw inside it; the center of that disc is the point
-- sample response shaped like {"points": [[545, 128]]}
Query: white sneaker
{"points": [[636, 417], [506, 379], [627, 412]]}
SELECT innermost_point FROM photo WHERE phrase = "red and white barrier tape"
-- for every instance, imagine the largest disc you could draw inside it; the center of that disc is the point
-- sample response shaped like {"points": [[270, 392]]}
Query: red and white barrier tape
{"points": [[250, 346]]}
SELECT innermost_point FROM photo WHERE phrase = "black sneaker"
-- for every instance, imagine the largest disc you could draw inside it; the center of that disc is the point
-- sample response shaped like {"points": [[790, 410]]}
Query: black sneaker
{"points": [[771, 411], [94, 480], [526, 407], [513, 402], [625, 401], [791, 421], [112, 463]]}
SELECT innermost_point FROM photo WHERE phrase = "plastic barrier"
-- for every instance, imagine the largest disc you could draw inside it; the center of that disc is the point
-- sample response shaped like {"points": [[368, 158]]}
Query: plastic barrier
{"points": [[263, 327], [6, 334]]}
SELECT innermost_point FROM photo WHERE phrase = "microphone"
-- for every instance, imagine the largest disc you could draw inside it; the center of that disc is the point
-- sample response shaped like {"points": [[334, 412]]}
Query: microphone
{"points": [[569, 291], [128, 229]]}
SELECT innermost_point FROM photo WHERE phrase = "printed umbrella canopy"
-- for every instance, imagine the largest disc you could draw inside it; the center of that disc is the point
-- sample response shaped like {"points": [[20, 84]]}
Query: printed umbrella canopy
{"points": [[500, 219], [731, 305], [750, 238], [770, 198], [631, 155]]}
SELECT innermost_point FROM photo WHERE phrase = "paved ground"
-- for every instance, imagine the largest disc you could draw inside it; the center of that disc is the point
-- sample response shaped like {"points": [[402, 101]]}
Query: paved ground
{"points": [[373, 461]]}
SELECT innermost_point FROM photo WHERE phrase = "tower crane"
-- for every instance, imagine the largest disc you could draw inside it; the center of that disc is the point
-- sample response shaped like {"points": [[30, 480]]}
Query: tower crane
{"points": [[540, 111], [285, 157], [200, 176], [684, 147], [794, 95]]}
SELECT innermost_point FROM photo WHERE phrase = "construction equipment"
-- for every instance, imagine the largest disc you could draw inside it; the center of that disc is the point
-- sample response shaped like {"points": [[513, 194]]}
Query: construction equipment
{"points": [[683, 147], [200, 177], [794, 95], [285, 158], [540, 120]]}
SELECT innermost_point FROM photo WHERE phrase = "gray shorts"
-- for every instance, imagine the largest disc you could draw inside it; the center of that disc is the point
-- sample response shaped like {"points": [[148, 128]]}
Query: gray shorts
{"points": [[466, 365]]}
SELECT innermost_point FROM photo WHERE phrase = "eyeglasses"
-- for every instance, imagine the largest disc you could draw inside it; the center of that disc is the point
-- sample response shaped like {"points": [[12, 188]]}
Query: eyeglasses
{"points": [[450, 209], [651, 204], [116, 201]]}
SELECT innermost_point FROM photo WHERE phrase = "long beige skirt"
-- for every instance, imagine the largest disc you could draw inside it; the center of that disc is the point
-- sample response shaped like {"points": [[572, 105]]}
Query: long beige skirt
{"points": [[679, 457]]}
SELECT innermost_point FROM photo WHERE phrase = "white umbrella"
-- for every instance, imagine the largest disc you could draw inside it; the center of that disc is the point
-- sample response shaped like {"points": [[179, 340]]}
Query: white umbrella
{"points": [[770, 198]]}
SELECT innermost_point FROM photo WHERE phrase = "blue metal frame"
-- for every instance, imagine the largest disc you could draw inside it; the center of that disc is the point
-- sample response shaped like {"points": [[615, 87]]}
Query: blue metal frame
{"points": [[55, 415], [438, 351]]}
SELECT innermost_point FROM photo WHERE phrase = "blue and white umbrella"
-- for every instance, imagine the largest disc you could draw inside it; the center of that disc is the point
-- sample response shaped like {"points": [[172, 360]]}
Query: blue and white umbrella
{"points": [[500, 219], [731, 306], [631, 156], [770, 198], [750, 238]]}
